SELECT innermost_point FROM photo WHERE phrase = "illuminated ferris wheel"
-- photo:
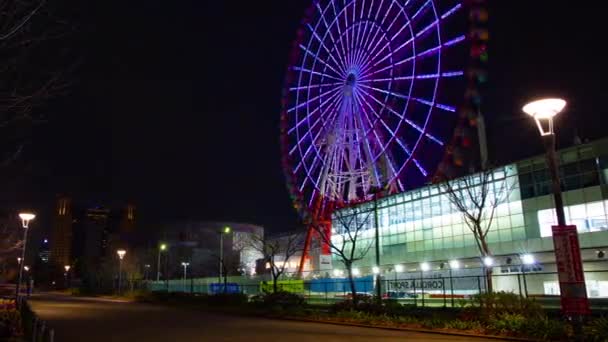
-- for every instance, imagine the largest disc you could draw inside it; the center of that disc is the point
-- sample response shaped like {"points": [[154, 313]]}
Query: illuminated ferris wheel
{"points": [[373, 97]]}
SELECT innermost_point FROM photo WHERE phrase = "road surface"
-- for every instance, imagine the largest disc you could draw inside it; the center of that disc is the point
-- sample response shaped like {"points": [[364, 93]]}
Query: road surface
{"points": [[89, 319]]}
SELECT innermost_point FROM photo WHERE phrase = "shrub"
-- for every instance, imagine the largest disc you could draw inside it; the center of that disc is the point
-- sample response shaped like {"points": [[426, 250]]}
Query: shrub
{"points": [[463, 325], [507, 324], [284, 299], [597, 330], [495, 304], [226, 299], [10, 323]]}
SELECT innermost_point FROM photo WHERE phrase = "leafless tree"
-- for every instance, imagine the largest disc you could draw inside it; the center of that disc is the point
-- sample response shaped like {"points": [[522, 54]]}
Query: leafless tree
{"points": [[11, 241], [33, 64], [277, 251], [348, 242], [476, 197]]}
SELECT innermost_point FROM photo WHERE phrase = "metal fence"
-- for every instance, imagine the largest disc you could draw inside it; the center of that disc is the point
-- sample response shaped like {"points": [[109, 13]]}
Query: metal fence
{"points": [[34, 328], [414, 289]]}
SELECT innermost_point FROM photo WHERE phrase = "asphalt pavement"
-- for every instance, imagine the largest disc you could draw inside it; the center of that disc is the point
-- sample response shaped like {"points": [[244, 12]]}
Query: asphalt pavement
{"points": [[92, 319]]}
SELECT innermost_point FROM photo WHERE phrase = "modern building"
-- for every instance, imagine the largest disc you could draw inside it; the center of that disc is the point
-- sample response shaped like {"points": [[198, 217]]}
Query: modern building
{"points": [[421, 231], [96, 234], [198, 243], [61, 242]]}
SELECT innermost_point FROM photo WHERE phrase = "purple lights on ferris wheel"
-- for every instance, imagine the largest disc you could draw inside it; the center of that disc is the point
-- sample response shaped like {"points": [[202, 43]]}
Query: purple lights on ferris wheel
{"points": [[368, 98]]}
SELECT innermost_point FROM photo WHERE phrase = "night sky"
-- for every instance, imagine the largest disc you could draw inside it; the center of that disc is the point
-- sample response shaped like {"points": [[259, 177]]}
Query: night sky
{"points": [[175, 105]]}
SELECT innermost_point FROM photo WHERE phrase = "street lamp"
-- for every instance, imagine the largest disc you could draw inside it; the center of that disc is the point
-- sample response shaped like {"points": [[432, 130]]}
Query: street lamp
{"points": [[185, 265], [543, 111], [121, 254], [67, 269], [488, 261], [376, 270], [355, 272], [526, 260], [25, 221], [146, 271], [424, 267], [225, 230], [454, 265], [161, 248]]}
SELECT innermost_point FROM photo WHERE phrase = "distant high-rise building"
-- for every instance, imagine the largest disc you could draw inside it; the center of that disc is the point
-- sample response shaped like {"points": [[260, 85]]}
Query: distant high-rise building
{"points": [[96, 233], [44, 252], [61, 243], [127, 222]]}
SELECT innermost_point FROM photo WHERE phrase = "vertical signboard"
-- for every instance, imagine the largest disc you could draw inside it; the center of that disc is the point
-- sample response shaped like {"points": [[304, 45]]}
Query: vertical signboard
{"points": [[570, 271]]}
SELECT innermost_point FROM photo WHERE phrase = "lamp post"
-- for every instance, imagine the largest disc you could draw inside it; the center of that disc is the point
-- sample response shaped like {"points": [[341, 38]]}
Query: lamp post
{"points": [[454, 265], [185, 265], [121, 254], [526, 260], [146, 271], [67, 270], [225, 230], [543, 111], [424, 267], [161, 248], [25, 222]]}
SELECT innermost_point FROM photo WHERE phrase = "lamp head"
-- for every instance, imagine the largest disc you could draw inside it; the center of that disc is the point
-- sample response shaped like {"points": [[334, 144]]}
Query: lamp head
{"points": [[121, 253], [454, 264], [399, 268], [528, 259], [67, 268], [543, 112], [227, 230], [376, 270], [488, 261], [425, 266], [26, 218], [163, 247]]}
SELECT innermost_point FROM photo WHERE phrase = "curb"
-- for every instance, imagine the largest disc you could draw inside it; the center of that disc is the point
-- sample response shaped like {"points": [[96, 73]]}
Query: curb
{"points": [[426, 331]]}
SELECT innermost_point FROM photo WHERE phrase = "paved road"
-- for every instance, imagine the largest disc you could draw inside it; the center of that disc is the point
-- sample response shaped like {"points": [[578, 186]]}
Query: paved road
{"points": [[89, 319]]}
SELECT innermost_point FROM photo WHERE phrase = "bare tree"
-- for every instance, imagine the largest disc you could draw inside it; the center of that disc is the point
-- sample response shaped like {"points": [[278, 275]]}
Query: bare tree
{"points": [[277, 252], [348, 242], [11, 242], [34, 65], [476, 197]]}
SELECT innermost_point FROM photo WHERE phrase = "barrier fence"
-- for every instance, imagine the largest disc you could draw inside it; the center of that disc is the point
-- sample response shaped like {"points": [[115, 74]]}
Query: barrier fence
{"points": [[415, 289]]}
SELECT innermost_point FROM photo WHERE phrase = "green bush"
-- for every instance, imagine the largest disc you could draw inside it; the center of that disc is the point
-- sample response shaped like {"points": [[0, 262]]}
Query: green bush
{"points": [[507, 324], [542, 328], [495, 304], [463, 325], [226, 299], [597, 330], [284, 299]]}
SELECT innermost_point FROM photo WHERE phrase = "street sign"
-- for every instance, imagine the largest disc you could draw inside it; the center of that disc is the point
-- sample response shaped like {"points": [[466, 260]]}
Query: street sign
{"points": [[570, 271]]}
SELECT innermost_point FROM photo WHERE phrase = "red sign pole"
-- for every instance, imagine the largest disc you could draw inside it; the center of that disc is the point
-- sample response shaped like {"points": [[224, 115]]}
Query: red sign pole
{"points": [[572, 287]]}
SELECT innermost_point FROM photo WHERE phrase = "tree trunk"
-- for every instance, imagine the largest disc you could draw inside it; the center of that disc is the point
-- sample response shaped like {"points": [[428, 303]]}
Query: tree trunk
{"points": [[489, 286], [353, 288], [275, 280]]}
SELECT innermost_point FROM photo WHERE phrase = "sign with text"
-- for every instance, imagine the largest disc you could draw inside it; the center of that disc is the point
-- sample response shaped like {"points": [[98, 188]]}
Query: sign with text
{"points": [[325, 262], [570, 271]]}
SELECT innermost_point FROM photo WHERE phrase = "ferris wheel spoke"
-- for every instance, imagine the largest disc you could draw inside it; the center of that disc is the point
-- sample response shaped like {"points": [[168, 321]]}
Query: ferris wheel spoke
{"points": [[315, 73], [422, 8], [391, 93], [451, 11], [317, 109], [336, 22], [313, 86], [342, 63], [316, 57], [322, 44], [321, 130], [454, 41], [383, 147], [367, 35], [303, 104]]}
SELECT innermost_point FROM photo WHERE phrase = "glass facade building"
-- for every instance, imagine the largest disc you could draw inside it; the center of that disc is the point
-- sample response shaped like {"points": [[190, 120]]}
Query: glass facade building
{"points": [[422, 225]]}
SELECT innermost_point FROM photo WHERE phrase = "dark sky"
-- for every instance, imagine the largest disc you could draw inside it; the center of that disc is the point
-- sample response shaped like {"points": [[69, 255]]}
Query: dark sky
{"points": [[176, 104]]}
